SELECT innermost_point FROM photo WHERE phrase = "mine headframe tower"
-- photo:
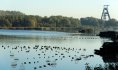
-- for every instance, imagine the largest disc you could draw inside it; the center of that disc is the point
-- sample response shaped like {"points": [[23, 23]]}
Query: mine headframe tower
{"points": [[105, 14], [105, 17]]}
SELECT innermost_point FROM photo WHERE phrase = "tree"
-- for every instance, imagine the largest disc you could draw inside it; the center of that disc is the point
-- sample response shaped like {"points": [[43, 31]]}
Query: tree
{"points": [[111, 23], [90, 21], [29, 21], [4, 23]]}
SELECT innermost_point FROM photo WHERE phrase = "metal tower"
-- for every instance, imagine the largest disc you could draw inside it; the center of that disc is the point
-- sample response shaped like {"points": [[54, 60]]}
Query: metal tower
{"points": [[105, 14]]}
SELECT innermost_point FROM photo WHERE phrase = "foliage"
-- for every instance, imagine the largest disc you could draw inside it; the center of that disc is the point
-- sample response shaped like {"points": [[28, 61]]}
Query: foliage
{"points": [[89, 21], [18, 19], [4, 13], [111, 23]]}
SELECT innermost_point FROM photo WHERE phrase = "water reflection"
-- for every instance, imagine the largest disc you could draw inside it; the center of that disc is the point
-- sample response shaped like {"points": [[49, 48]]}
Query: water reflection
{"points": [[49, 52]]}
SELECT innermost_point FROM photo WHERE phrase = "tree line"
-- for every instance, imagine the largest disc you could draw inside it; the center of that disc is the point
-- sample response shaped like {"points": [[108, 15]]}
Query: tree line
{"points": [[18, 19]]}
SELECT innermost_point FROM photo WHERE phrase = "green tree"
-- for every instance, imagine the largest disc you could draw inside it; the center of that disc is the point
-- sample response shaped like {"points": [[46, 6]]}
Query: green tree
{"points": [[90, 21], [4, 23], [111, 23]]}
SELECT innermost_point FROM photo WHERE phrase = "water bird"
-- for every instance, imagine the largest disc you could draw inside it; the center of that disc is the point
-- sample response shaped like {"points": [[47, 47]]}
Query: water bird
{"points": [[56, 54], [38, 54], [84, 49], [37, 61], [91, 55], [28, 51], [16, 59], [56, 59], [48, 61], [53, 64], [35, 67], [48, 64], [2, 46], [78, 59], [44, 65], [62, 54], [28, 47], [40, 66], [24, 62], [14, 64], [12, 55], [72, 57], [29, 62]]}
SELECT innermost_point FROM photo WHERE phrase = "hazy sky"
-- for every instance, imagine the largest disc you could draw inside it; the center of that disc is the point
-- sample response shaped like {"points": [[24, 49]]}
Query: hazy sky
{"points": [[70, 8]]}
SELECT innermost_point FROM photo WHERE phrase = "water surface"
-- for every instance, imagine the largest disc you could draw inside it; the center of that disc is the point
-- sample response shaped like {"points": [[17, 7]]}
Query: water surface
{"points": [[45, 50]]}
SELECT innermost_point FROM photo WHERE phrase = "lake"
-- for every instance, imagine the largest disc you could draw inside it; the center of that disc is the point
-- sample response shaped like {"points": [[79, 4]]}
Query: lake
{"points": [[46, 50]]}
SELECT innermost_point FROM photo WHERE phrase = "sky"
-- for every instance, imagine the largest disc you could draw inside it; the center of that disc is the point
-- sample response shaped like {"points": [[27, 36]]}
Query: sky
{"points": [[69, 8]]}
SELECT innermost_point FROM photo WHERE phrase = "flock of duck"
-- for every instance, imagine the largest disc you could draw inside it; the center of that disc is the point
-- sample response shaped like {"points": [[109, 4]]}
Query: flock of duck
{"points": [[44, 56]]}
